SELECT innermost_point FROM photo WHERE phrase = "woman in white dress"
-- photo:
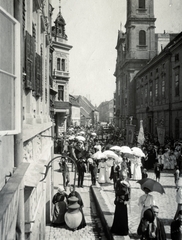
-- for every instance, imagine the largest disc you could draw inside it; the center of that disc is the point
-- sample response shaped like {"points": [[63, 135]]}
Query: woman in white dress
{"points": [[109, 164], [145, 201], [137, 173], [102, 171]]}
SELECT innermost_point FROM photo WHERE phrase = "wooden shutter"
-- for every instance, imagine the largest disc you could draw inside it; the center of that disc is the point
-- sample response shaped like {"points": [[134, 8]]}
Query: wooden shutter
{"points": [[38, 75], [29, 61]]}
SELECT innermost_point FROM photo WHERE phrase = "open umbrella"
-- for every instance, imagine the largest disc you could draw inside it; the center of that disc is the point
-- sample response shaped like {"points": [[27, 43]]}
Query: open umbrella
{"points": [[82, 133], [110, 154], [93, 134], [137, 152], [151, 184], [80, 138], [116, 148], [98, 155], [125, 149]]}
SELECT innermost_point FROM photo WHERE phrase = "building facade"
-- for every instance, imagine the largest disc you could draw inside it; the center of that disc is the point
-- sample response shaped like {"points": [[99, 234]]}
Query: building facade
{"points": [[140, 50], [74, 116], [89, 115], [158, 92], [134, 48], [106, 111], [26, 127], [60, 74]]}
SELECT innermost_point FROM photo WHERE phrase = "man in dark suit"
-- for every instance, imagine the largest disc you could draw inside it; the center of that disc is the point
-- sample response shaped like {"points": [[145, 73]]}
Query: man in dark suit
{"points": [[81, 168], [176, 227], [151, 228]]}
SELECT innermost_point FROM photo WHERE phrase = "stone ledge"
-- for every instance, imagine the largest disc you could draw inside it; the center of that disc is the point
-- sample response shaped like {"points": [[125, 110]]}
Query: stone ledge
{"points": [[103, 211]]}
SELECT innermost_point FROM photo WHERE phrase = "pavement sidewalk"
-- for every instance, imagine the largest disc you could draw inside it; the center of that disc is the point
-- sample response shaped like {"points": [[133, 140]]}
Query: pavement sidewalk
{"points": [[104, 198]]}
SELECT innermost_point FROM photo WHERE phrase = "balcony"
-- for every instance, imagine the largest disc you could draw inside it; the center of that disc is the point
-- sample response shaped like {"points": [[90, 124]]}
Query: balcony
{"points": [[61, 74]]}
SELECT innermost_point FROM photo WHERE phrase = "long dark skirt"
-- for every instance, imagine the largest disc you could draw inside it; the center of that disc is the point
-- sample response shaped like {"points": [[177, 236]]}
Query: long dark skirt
{"points": [[120, 222], [83, 222]]}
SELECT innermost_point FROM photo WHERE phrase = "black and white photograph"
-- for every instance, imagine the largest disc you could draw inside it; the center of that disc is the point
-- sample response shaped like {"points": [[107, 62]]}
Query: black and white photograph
{"points": [[90, 119]]}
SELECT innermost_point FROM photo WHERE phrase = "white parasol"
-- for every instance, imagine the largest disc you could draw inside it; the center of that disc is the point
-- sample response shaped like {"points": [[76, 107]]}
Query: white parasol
{"points": [[99, 155], [137, 152], [82, 132], [126, 149], [80, 138], [93, 134], [110, 154], [116, 148]]}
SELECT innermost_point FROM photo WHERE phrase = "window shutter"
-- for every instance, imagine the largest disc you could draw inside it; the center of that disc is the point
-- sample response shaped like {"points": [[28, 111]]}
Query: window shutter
{"points": [[38, 75], [29, 58]]}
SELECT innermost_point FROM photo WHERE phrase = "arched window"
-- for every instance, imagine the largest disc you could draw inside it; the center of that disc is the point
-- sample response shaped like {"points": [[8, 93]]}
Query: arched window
{"points": [[142, 37], [141, 3], [58, 64]]}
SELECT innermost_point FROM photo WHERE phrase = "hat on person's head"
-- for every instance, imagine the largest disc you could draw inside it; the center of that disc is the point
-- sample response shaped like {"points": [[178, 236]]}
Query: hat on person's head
{"points": [[148, 215], [61, 189]]}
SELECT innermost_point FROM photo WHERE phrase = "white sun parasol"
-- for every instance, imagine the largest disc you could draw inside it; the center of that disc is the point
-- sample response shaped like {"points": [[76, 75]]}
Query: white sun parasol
{"points": [[98, 155], [110, 154], [93, 134], [126, 149], [116, 148], [80, 138], [82, 132], [137, 152]]}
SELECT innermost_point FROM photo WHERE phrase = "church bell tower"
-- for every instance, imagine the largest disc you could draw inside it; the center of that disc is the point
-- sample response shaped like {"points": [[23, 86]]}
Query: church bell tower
{"points": [[140, 29]]}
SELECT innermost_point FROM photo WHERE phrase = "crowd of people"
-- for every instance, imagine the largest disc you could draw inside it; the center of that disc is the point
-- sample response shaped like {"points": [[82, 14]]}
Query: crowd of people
{"points": [[107, 164]]}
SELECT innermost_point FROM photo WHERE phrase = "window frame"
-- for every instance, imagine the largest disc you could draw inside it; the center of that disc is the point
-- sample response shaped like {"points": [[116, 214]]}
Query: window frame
{"points": [[141, 4], [60, 91], [58, 64], [142, 38], [177, 89], [16, 76]]}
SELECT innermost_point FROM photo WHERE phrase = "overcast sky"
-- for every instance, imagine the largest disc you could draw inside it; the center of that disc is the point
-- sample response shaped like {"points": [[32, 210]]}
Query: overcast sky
{"points": [[92, 29]]}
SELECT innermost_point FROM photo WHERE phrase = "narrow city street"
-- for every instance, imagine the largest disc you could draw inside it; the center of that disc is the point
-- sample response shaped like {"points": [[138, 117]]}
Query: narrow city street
{"points": [[105, 198]]}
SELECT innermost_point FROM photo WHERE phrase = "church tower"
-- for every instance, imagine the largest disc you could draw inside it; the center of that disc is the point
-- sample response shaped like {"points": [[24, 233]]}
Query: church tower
{"points": [[135, 48], [140, 29]]}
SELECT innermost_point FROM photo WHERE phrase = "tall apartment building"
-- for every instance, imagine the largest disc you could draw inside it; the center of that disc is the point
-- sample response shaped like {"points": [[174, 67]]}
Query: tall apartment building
{"points": [[60, 74], [26, 127]]}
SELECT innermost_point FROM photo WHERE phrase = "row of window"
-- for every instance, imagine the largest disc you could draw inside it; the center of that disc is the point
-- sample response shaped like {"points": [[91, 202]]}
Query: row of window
{"points": [[163, 89]]}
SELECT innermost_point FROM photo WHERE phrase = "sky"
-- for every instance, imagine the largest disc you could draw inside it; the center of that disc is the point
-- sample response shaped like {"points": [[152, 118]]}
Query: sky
{"points": [[92, 29]]}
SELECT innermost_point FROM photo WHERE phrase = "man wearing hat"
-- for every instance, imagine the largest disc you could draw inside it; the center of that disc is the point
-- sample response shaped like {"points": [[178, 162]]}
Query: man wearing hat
{"points": [[150, 227]]}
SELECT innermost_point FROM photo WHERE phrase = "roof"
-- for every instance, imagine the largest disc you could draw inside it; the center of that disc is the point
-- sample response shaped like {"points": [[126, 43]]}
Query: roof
{"points": [[84, 113], [73, 101], [85, 104]]}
